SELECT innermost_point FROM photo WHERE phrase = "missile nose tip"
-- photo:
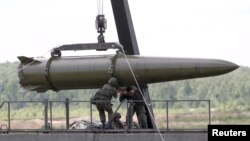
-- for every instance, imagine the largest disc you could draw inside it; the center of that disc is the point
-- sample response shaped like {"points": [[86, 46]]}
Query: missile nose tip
{"points": [[229, 66], [232, 66], [235, 66]]}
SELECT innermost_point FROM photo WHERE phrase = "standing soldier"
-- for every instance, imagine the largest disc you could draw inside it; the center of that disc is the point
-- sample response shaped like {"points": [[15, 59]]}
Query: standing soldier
{"points": [[138, 106], [104, 96]]}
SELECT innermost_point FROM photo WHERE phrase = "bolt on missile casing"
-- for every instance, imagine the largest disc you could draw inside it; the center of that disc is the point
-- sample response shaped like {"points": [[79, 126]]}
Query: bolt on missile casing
{"points": [[86, 72]]}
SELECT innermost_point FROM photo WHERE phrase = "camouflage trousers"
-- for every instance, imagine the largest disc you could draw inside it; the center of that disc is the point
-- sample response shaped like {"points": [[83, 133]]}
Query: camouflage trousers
{"points": [[102, 107], [140, 111]]}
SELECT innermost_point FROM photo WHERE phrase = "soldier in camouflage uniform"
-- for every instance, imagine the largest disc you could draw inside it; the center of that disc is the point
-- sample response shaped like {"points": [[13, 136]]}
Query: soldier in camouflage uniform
{"points": [[115, 123], [104, 95], [132, 93]]}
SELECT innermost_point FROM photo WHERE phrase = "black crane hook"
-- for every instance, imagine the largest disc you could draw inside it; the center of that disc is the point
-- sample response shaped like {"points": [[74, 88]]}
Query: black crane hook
{"points": [[101, 26]]}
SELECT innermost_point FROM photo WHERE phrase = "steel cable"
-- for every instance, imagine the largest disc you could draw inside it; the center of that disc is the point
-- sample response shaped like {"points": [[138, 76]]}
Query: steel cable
{"points": [[132, 72]]}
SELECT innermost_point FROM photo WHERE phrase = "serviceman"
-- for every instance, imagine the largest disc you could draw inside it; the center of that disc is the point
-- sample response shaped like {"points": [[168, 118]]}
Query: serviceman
{"points": [[116, 122], [104, 96], [138, 106]]}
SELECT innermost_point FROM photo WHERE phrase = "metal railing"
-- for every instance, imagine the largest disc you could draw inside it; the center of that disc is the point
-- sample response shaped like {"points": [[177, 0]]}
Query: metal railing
{"points": [[166, 123]]}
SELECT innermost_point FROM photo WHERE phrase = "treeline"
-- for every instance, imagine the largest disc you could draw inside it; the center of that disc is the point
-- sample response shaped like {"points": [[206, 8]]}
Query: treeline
{"points": [[229, 92]]}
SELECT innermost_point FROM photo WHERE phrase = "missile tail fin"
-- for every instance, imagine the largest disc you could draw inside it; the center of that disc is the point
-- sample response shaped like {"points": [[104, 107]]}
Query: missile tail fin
{"points": [[26, 60]]}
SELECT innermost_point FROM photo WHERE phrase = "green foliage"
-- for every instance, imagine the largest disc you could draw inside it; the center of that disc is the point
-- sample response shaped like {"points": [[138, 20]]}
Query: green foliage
{"points": [[229, 92]]}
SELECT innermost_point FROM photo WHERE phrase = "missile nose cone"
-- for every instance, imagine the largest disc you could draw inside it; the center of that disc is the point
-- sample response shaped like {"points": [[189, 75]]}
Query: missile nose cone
{"points": [[231, 66], [227, 66], [218, 67]]}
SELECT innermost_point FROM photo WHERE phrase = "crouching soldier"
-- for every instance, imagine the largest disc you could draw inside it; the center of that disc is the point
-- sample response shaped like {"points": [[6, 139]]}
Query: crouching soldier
{"points": [[115, 123]]}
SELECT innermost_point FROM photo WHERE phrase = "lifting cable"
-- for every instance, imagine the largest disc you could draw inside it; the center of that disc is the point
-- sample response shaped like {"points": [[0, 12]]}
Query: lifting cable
{"points": [[136, 81], [100, 7], [101, 25]]}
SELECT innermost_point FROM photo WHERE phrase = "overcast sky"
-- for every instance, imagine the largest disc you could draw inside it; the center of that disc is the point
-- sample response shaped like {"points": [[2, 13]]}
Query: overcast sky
{"points": [[218, 29]]}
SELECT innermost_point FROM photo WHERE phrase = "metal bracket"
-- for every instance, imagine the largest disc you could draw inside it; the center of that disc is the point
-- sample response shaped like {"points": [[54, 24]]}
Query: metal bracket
{"points": [[88, 46], [111, 69]]}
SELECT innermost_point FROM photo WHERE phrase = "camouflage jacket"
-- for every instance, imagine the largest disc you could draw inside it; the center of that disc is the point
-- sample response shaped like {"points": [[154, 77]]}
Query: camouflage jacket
{"points": [[132, 94], [106, 93]]}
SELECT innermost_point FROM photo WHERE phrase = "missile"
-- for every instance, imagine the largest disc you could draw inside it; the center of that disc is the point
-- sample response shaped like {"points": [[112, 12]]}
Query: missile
{"points": [[87, 72]]}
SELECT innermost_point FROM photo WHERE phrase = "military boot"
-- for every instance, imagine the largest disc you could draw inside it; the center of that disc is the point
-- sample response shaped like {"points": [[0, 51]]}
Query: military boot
{"points": [[103, 125]]}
